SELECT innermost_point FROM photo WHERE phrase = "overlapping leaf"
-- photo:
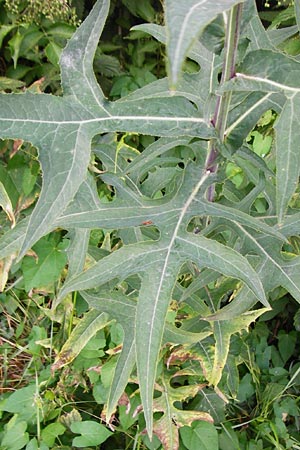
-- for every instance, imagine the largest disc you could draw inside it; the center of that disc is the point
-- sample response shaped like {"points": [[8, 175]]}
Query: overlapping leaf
{"points": [[47, 121], [62, 129], [270, 71], [158, 262], [166, 428], [188, 18], [123, 309]]}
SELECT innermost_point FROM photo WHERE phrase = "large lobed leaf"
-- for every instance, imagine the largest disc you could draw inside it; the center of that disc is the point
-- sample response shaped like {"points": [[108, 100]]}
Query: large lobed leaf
{"points": [[158, 263], [47, 121], [62, 128], [271, 71]]}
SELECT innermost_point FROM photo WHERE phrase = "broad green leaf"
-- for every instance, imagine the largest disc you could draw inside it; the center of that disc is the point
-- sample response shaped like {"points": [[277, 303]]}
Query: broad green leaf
{"points": [[141, 9], [200, 436], [15, 436], [51, 432], [92, 433], [53, 52], [21, 402], [89, 325], [4, 30], [184, 23], [286, 345], [33, 444], [45, 268]]}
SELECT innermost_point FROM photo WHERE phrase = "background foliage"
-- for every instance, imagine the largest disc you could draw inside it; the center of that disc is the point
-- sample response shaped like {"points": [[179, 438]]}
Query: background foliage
{"points": [[61, 365]]}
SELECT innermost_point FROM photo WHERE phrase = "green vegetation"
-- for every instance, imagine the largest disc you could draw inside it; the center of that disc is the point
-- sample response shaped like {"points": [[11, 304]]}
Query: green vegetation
{"points": [[149, 238]]}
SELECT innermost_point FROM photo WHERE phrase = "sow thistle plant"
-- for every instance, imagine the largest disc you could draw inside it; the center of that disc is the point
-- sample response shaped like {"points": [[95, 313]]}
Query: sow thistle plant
{"points": [[187, 235]]}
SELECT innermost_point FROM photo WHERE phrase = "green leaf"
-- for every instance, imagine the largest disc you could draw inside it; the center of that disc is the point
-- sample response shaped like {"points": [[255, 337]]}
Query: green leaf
{"points": [[53, 53], [11, 242], [4, 30], [279, 35], [6, 205], [257, 73], [51, 432], [77, 117], [92, 433], [223, 330], [33, 444], [141, 9], [159, 262], [272, 268], [163, 243], [200, 436], [185, 21], [77, 250], [89, 325], [15, 436], [21, 402], [10, 83], [288, 161], [166, 428], [244, 115], [45, 269], [14, 46], [297, 13], [286, 345], [122, 309]]}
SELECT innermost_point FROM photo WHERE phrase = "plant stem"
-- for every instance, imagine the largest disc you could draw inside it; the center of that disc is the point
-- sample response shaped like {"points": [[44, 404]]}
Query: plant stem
{"points": [[223, 101]]}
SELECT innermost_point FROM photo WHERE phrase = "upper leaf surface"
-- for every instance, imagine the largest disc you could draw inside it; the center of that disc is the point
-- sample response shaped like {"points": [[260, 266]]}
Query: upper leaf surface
{"points": [[185, 21], [47, 121], [268, 71], [158, 263], [76, 63]]}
